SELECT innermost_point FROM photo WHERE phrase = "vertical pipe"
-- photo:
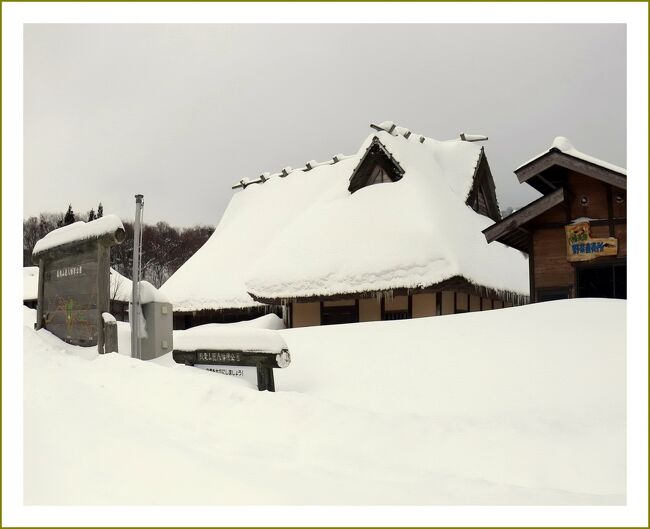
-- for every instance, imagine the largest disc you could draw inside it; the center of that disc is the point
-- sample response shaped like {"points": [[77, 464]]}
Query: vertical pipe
{"points": [[135, 292]]}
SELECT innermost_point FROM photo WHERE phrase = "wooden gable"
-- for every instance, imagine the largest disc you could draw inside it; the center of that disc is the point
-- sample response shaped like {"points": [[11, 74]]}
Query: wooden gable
{"points": [[377, 165], [482, 197], [549, 172]]}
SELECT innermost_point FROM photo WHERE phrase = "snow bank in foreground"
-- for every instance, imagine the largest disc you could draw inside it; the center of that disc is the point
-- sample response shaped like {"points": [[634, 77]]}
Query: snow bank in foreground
{"points": [[479, 408]]}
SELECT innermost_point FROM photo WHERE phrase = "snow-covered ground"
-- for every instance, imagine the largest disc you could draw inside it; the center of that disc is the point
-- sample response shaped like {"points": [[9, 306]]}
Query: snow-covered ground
{"points": [[514, 406]]}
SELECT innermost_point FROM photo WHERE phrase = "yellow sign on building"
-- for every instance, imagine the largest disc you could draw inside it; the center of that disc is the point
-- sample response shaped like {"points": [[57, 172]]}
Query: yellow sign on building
{"points": [[580, 246]]}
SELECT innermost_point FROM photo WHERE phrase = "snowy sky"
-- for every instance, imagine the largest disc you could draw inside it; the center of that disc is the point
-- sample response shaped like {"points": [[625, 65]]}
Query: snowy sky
{"points": [[180, 112]]}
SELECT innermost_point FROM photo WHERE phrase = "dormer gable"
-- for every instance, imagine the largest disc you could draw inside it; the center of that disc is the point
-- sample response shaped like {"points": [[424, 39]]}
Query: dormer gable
{"points": [[377, 166], [482, 198]]}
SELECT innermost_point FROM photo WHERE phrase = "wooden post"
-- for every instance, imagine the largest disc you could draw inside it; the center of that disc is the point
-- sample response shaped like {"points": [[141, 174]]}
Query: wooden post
{"points": [[41, 299], [531, 268], [110, 337], [265, 381], [103, 291], [610, 211]]}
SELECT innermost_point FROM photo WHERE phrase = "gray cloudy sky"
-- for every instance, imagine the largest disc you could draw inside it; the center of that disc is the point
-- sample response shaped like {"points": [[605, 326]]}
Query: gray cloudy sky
{"points": [[180, 112]]}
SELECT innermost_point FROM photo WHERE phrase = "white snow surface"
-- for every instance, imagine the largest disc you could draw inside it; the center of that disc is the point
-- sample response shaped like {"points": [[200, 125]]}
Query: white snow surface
{"points": [[305, 234], [414, 412], [78, 231], [30, 282], [564, 145]]}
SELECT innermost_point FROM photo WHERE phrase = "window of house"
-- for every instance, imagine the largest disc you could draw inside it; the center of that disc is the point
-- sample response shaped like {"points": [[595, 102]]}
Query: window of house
{"points": [[378, 176], [604, 281], [339, 314], [396, 315], [551, 294]]}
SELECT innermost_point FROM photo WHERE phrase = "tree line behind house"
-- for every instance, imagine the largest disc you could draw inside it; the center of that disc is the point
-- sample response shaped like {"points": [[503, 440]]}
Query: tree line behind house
{"points": [[164, 248]]}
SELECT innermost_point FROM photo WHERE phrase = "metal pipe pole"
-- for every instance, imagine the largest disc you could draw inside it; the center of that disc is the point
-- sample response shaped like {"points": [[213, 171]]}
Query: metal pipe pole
{"points": [[135, 292]]}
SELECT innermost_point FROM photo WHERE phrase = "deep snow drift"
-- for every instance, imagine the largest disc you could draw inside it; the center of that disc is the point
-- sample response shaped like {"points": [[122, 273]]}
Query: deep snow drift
{"points": [[514, 406]]}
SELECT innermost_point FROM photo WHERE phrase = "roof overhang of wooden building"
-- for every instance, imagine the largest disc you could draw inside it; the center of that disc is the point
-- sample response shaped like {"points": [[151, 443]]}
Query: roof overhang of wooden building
{"points": [[511, 230], [548, 172], [455, 283]]}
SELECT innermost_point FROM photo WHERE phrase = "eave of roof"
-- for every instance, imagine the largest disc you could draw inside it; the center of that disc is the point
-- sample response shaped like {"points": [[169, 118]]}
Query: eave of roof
{"points": [[510, 231], [456, 283], [531, 172]]}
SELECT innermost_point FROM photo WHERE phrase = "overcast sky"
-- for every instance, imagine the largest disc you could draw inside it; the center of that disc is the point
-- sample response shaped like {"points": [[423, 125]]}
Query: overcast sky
{"points": [[181, 112]]}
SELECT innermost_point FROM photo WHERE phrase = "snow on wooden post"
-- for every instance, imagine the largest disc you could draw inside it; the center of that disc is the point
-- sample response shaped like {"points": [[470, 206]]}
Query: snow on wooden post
{"points": [[233, 349], [74, 278], [110, 333]]}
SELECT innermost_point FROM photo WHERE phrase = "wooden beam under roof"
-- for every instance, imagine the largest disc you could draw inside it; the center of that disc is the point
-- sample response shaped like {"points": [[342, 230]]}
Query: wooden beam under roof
{"points": [[556, 157], [524, 215]]}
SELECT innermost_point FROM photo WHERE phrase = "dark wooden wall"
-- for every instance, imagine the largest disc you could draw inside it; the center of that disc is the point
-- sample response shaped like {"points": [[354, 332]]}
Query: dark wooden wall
{"points": [[551, 267]]}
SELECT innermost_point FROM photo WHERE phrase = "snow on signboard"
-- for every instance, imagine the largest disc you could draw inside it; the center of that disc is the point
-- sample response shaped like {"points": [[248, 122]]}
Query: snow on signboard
{"points": [[78, 231]]}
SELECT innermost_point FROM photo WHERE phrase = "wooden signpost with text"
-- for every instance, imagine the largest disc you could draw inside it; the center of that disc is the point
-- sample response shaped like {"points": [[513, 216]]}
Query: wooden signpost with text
{"points": [[230, 362], [74, 280], [580, 246]]}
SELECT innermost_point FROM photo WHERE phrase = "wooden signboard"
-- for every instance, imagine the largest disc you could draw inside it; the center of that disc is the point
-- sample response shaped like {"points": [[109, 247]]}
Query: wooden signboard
{"points": [[74, 283], [236, 362], [580, 246], [70, 296]]}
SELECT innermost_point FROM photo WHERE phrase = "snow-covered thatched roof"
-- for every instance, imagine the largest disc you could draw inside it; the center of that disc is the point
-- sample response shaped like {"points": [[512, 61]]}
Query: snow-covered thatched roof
{"points": [[306, 235]]}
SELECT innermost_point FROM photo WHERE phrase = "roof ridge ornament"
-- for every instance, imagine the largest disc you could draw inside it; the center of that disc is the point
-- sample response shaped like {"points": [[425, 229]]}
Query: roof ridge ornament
{"points": [[473, 137], [384, 126]]}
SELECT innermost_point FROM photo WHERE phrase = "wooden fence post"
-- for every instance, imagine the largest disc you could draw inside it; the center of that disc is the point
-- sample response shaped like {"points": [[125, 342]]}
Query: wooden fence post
{"points": [[110, 337]]}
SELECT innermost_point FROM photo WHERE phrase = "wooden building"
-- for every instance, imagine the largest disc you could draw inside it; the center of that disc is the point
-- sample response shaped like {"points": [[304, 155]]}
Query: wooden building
{"points": [[391, 232], [576, 232]]}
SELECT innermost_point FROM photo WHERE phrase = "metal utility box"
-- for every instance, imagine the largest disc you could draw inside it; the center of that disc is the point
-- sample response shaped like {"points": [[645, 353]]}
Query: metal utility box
{"points": [[159, 340]]}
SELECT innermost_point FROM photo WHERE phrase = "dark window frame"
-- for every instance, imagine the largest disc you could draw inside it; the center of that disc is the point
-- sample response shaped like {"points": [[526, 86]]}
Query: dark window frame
{"points": [[563, 292], [408, 311], [339, 311], [613, 263]]}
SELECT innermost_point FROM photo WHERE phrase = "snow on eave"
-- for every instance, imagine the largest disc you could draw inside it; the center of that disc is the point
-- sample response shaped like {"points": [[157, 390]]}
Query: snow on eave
{"points": [[81, 231], [399, 289], [564, 146]]}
